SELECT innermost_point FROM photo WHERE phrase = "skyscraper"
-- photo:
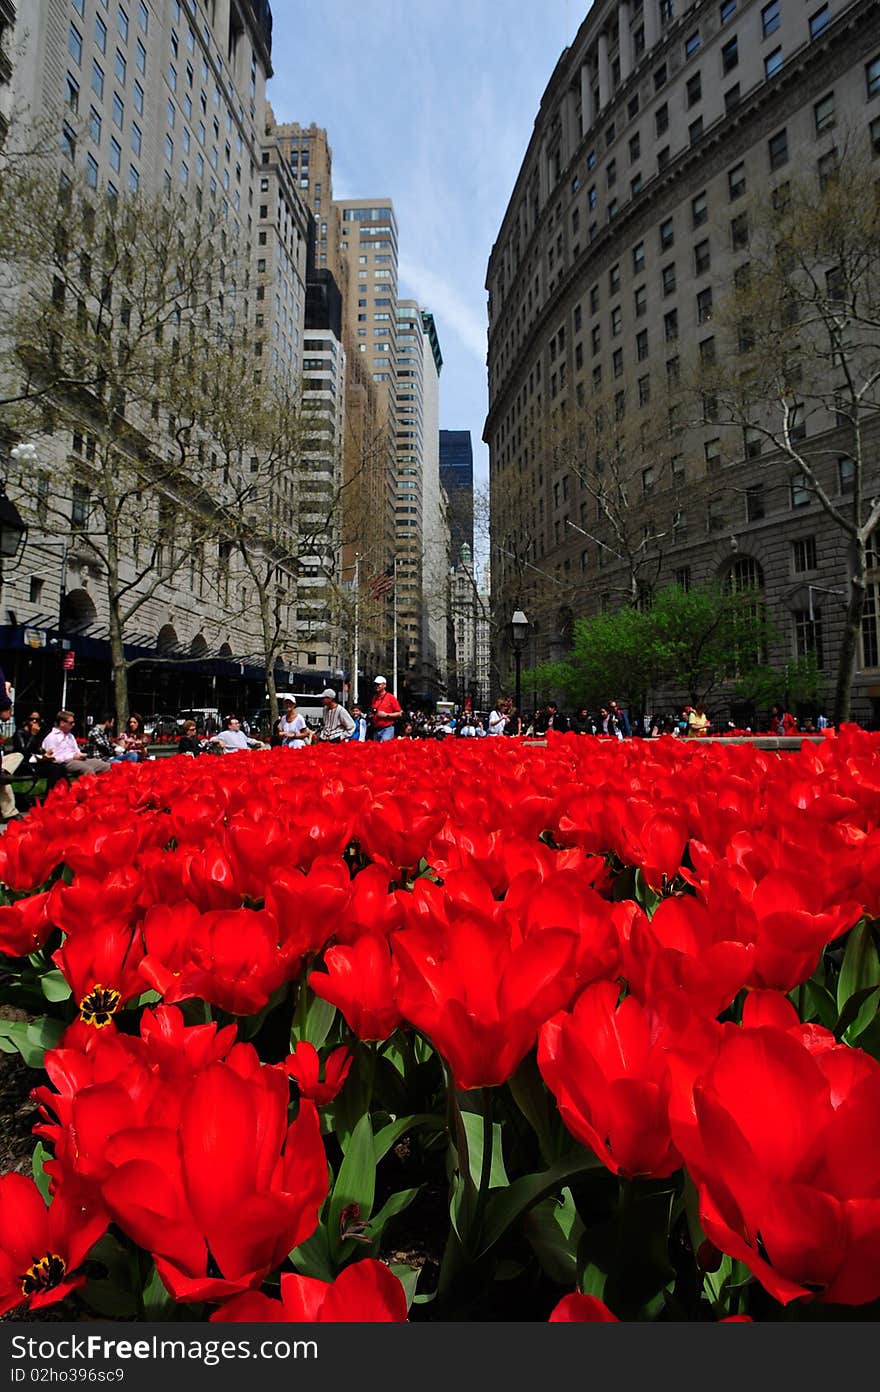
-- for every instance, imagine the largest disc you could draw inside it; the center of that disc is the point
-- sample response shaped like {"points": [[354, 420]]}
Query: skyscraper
{"points": [[457, 477]]}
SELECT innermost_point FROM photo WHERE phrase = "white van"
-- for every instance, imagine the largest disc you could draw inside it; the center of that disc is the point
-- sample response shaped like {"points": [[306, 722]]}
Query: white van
{"points": [[309, 705]]}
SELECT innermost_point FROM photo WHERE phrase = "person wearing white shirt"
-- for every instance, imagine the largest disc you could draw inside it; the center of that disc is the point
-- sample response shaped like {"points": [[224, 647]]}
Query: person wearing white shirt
{"points": [[60, 744], [292, 727], [233, 738], [336, 723], [498, 719]]}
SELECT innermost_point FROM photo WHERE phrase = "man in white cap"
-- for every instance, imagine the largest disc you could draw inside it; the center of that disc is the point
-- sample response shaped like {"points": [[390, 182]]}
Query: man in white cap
{"points": [[384, 711], [336, 724]]}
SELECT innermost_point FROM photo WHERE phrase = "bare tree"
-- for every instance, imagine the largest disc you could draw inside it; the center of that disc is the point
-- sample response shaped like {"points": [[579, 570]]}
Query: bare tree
{"points": [[800, 373]]}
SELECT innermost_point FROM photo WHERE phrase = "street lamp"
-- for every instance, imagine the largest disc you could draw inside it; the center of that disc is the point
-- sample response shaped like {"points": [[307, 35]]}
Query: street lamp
{"points": [[519, 633]]}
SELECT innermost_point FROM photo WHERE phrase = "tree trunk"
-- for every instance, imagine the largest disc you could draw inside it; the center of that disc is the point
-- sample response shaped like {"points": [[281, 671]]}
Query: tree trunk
{"points": [[119, 666], [268, 652], [849, 646]]}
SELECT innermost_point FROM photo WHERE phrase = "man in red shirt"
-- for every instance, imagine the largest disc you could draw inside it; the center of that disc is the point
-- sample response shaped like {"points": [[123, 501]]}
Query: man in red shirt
{"points": [[385, 710]]}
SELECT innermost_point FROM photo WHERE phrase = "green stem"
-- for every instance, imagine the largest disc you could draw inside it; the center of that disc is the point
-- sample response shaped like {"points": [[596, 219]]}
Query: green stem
{"points": [[485, 1165]]}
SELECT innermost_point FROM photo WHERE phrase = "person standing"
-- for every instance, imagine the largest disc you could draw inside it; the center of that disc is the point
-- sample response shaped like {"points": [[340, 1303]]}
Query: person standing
{"points": [[336, 723], [60, 744], [385, 711], [292, 727]]}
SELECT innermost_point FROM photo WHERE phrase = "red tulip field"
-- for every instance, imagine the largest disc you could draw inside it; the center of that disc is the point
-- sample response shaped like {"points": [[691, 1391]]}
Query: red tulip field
{"points": [[449, 1031]]}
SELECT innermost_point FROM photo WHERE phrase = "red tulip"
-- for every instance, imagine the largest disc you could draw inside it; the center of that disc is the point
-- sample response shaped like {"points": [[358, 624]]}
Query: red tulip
{"points": [[479, 994], [42, 1249], [304, 1067], [221, 1199], [361, 980], [101, 966], [364, 1293], [25, 925], [784, 1152], [582, 1309], [611, 1082]]}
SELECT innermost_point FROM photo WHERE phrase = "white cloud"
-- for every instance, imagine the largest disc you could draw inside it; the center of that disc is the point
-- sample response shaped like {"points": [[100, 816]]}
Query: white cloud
{"points": [[451, 311]]}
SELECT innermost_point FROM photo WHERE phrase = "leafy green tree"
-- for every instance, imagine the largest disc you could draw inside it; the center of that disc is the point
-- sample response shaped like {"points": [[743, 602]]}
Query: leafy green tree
{"points": [[687, 641]]}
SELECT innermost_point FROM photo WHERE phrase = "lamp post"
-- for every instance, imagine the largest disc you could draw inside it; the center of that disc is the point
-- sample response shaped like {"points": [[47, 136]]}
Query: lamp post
{"points": [[519, 633]]}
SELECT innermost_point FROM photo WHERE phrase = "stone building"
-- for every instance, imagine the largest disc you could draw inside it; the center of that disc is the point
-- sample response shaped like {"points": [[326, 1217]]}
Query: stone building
{"points": [[660, 127]]}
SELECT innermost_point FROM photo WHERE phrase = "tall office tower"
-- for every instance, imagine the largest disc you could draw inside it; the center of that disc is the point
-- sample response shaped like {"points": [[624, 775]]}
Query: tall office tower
{"points": [[306, 150], [664, 130], [159, 98], [457, 477], [320, 624], [435, 523]]}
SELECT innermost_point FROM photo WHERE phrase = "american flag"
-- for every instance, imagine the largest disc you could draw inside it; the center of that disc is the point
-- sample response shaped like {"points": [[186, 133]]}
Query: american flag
{"points": [[382, 584]]}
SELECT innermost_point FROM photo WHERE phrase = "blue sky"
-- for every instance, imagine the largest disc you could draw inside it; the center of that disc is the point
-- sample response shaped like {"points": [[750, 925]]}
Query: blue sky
{"points": [[432, 103]]}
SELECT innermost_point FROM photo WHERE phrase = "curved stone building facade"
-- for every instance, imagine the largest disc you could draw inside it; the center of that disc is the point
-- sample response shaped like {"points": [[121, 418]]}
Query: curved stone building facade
{"points": [[660, 127]]}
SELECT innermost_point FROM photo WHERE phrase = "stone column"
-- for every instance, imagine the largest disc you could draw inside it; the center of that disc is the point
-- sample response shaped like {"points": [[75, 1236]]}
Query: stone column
{"points": [[543, 173], [652, 23], [570, 139], [604, 72], [587, 114], [626, 43]]}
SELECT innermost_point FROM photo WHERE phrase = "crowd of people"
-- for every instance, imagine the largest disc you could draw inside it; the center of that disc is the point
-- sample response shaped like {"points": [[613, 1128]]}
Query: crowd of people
{"points": [[58, 752]]}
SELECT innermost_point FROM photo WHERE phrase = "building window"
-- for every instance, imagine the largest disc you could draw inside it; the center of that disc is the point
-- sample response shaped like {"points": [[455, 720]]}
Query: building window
{"points": [[731, 98], [136, 137], [801, 494], [694, 89], [730, 55], [616, 321], [661, 119], [823, 113], [644, 390], [595, 338], [673, 371], [617, 362], [591, 196], [95, 125], [755, 504], [91, 172], [97, 79], [614, 279], [704, 305], [777, 149], [736, 181], [773, 62], [660, 77], [715, 516], [642, 345], [699, 210], [695, 130], [702, 257], [819, 22], [640, 301], [662, 158], [667, 275], [826, 167], [808, 635], [119, 68], [670, 325], [712, 451], [611, 173], [638, 258], [635, 147], [846, 474], [803, 555], [872, 77], [667, 234], [874, 132], [692, 44], [594, 299], [770, 18], [728, 10]]}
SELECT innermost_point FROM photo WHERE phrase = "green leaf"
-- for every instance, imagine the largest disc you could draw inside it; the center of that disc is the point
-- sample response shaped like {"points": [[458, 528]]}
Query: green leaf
{"points": [[821, 1003], [860, 969], [54, 987], [111, 1293], [408, 1276], [858, 1013], [38, 1161], [553, 1230], [158, 1304], [397, 1203], [531, 1096], [506, 1206], [355, 1183], [473, 1125], [313, 1257], [319, 1021], [392, 1133], [30, 1039]]}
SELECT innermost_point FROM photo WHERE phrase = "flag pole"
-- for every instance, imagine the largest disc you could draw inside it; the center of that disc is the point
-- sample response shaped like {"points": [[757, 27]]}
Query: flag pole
{"points": [[394, 630], [354, 666]]}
